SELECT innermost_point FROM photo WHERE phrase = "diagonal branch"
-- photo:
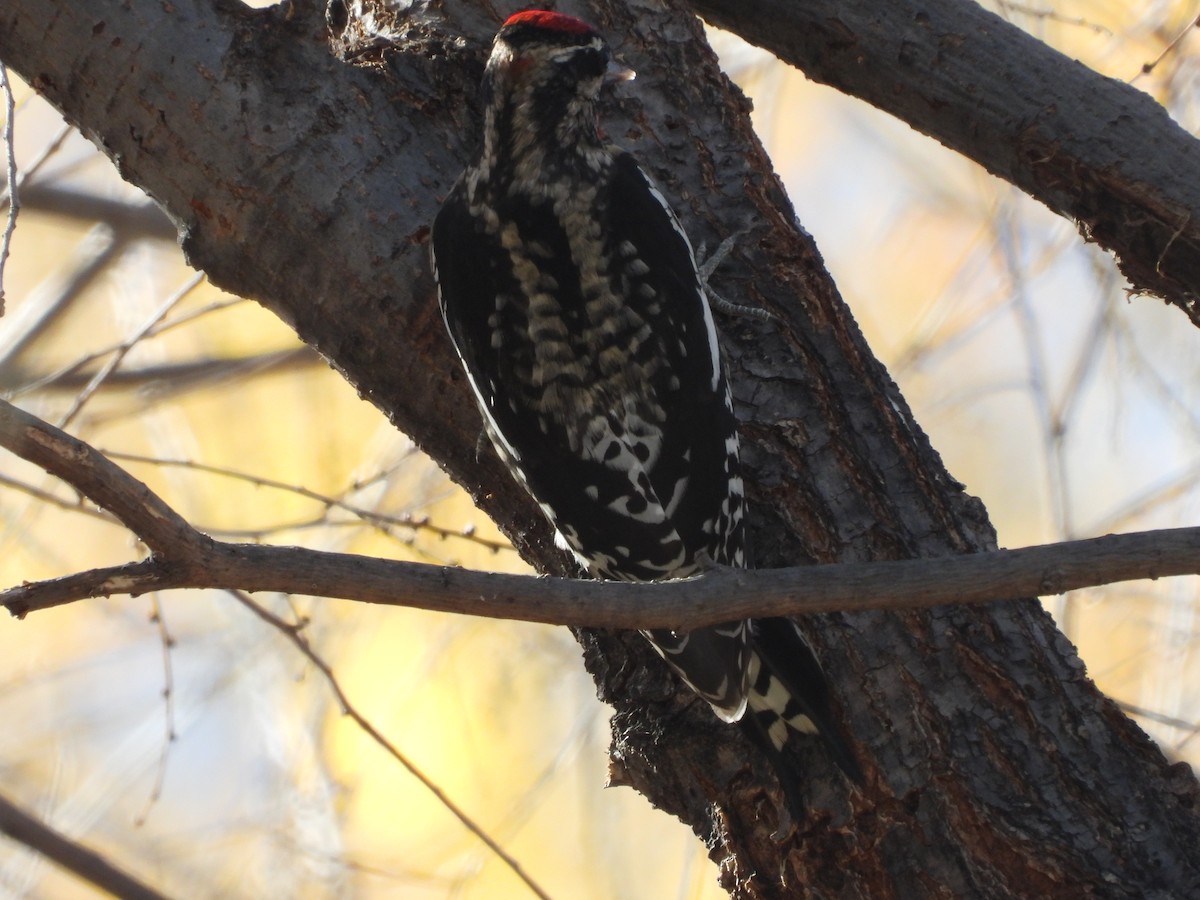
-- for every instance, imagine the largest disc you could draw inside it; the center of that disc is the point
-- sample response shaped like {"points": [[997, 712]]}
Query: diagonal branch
{"points": [[1059, 131], [181, 556], [298, 640], [85, 863], [99, 479], [184, 558]]}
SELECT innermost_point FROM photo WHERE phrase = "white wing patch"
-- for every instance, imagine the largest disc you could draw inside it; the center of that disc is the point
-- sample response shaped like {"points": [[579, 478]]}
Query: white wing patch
{"points": [[709, 327]]}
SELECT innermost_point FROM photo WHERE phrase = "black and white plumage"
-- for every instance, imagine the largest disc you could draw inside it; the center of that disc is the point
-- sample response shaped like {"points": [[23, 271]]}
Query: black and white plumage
{"points": [[572, 296]]}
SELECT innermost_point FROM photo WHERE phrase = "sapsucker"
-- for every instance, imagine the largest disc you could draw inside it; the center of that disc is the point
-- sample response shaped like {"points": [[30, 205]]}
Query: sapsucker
{"points": [[573, 298]]}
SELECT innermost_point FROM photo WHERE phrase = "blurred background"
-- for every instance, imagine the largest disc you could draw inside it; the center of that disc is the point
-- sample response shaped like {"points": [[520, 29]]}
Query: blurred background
{"points": [[196, 745]]}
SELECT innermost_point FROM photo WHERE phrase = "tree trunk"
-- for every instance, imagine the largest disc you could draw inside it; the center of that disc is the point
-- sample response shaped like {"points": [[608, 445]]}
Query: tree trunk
{"points": [[993, 766]]}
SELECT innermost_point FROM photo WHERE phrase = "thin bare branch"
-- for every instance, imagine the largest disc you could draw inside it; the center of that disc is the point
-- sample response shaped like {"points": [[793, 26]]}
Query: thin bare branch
{"points": [[1181, 724], [168, 694], [50, 499], [165, 380], [183, 558], [34, 165], [87, 864], [294, 634], [10, 168], [122, 351], [137, 219], [47, 303], [1050, 15], [382, 521], [1149, 67]]}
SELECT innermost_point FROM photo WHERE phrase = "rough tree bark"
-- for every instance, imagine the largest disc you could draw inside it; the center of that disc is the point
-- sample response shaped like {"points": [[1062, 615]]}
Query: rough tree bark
{"points": [[1050, 125], [994, 767]]}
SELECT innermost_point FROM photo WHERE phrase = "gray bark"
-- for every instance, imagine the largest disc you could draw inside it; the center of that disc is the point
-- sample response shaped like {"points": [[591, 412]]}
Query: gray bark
{"points": [[993, 765], [1095, 150]]}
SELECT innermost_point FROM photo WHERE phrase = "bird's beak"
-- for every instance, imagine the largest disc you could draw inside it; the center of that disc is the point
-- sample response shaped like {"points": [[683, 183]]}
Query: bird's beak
{"points": [[617, 72]]}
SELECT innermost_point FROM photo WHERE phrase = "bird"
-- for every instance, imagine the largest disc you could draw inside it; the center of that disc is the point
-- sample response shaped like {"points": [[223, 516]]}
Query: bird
{"points": [[573, 299]]}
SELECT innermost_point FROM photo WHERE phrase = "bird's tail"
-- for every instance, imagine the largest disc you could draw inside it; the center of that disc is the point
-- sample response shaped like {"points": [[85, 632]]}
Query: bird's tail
{"points": [[788, 692]]}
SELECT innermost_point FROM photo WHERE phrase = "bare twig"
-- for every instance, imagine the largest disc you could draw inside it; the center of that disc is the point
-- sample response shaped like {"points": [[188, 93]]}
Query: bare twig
{"points": [[74, 857], [47, 303], [1050, 15], [122, 351], [160, 381], [1149, 67], [168, 695], [184, 558], [293, 634], [10, 168], [34, 165], [178, 549], [1181, 724], [46, 497], [382, 521], [135, 219]]}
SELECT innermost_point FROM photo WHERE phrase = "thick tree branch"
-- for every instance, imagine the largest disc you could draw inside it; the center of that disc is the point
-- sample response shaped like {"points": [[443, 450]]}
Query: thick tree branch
{"points": [[99, 479], [87, 864], [1065, 135], [184, 558], [309, 185]]}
